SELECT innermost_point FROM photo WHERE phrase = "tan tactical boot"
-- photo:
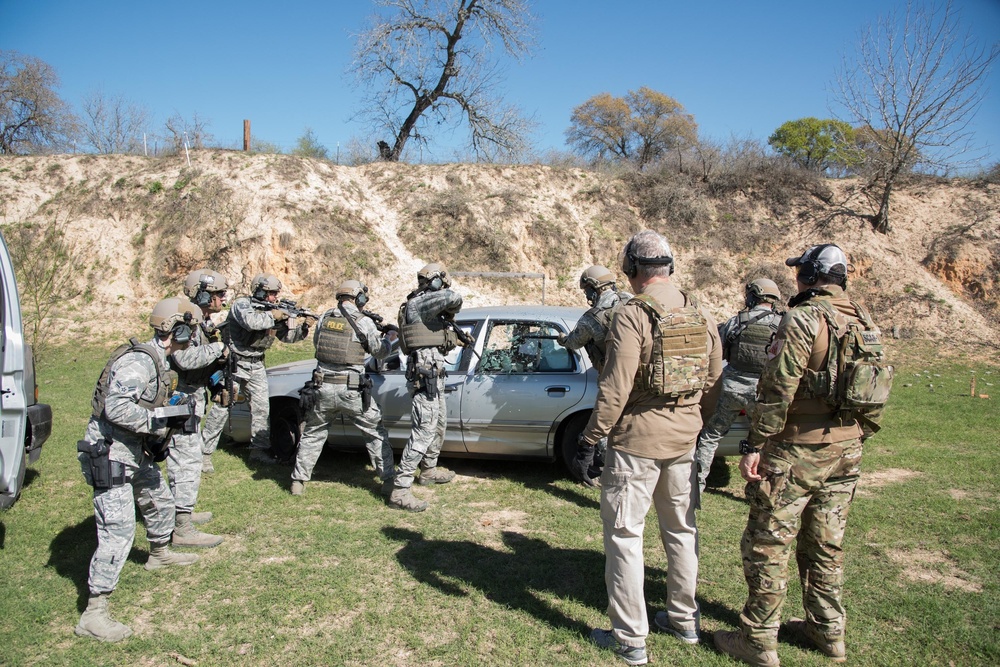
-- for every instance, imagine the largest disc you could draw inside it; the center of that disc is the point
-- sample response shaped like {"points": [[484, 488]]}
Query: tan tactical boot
{"points": [[198, 518], [436, 475], [403, 499], [206, 464], [96, 623], [831, 648], [186, 535], [733, 644], [161, 556], [298, 488]]}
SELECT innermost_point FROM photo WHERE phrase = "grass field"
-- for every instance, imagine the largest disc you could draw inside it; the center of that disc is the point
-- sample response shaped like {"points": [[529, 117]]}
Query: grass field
{"points": [[506, 567]]}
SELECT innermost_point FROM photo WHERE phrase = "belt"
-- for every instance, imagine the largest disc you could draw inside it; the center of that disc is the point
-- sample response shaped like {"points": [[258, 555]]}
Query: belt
{"points": [[823, 419], [336, 379]]}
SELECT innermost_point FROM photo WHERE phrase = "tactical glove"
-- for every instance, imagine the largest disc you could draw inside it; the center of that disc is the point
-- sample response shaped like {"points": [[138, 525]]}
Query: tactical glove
{"points": [[580, 468], [561, 339], [279, 315], [305, 329]]}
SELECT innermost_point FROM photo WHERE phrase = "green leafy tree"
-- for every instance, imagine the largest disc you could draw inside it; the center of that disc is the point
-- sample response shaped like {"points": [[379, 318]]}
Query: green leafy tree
{"points": [[642, 127], [428, 67], [33, 118], [308, 146], [817, 144]]}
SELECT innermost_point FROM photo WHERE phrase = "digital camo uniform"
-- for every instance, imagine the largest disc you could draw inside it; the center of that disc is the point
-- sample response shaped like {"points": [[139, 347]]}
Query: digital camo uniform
{"points": [[194, 365], [591, 330], [253, 330], [217, 415], [341, 370], [422, 314], [750, 333], [137, 382], [810, 463]]}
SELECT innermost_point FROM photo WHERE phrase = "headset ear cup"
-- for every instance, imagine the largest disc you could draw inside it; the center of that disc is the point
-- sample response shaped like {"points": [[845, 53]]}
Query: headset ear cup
{"points": [[436, 283]]}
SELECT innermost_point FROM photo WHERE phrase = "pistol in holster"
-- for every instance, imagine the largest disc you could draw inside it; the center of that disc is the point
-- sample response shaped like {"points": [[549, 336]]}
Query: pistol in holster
{"points": [[104, 473], [365, 387], [307, 395], [424, 379]]}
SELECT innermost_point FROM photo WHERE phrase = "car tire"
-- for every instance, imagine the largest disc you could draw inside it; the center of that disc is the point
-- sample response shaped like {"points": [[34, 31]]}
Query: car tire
{"points": [[286, 430], [568, 442]]}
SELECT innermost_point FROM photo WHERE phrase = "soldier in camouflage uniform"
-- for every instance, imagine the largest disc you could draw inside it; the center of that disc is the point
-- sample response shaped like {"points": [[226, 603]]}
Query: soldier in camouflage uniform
{"points": [[117, 459], [745, 339], [802, 461], [194, 365], [427, 332], [207, 289], [253, 326], [598, 284], [340, 385]]}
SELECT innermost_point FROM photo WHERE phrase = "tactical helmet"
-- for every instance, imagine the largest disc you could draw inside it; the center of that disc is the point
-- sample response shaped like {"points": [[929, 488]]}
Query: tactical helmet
{"points": [[262, 283], [821, 260], [594, 280], [177, 316], [433, 276], [201, 284], [353, 289], [761, 289]]}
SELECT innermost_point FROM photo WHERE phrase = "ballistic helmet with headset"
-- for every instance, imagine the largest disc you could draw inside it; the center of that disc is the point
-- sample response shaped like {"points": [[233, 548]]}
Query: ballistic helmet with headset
{"points": [[761, 289], [433, 277], [594, 280], [263, 283], [201, 284], [631, 262], [825, 260], [177, 316], [353, 289]]}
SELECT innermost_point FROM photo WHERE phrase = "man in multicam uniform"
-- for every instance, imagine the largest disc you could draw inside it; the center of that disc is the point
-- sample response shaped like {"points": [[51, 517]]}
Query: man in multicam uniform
{"points": [[660, 369], [802, 463], [590, 333], [194, 365], [427, 334], [745, 339], [253, 327], [117, 459], [207, 289], [343, 336]]}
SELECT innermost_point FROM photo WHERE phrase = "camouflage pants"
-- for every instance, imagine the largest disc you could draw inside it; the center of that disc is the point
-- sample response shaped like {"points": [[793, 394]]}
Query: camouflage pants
{"points": [[251, 381], [184, 469], [428, 424], [333, 400], [738, 392], [806, 492], [114, 510], [211, 428], [629, 485]]}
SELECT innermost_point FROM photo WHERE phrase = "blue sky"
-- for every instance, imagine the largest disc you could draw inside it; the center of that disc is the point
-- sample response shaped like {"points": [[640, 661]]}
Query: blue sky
{"points": [[741, 68]]}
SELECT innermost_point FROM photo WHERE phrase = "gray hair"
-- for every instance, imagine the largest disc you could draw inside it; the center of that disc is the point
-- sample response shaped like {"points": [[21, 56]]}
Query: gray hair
{"points": [[650, 244]]}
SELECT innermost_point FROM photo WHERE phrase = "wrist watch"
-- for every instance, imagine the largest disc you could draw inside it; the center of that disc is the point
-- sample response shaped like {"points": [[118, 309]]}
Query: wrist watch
{"points": [[745, 448]]}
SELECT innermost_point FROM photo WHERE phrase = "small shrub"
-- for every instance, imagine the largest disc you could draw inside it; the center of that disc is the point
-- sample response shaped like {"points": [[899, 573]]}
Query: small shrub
{"points": [[154, 187]]}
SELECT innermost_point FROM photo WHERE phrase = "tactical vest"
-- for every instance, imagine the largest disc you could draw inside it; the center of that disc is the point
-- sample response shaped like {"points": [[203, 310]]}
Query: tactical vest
{"points": [[420, 334], [247, 339], [596, 348], [678, 366], [855, 377], [166, 380], [336, 343], [746, 345]]}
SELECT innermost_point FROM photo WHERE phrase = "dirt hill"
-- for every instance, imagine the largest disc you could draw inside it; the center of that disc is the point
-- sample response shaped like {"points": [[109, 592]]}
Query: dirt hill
{"points": [[128, 229]]}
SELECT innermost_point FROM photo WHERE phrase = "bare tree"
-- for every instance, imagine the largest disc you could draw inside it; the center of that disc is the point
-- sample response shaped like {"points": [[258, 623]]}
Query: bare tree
{"points": [[427, 63], [33, 118], [195, 130], [913, 87], [112, 123]]}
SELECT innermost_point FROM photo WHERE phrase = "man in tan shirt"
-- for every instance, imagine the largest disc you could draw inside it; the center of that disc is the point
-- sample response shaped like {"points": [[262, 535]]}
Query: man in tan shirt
{"points": [[649, 405]]}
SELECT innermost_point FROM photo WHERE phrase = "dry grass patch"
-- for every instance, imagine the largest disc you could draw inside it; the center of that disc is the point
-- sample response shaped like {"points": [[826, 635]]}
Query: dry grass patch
{"points": [[925, 566], [870, 481]]}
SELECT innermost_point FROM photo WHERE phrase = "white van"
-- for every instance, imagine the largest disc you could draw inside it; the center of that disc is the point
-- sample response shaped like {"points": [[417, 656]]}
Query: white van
{"points": [[25, 424]]}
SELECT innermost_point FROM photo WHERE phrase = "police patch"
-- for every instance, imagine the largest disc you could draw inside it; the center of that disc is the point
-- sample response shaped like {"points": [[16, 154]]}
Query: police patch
{"points": [[775, 347], [334, 325]]}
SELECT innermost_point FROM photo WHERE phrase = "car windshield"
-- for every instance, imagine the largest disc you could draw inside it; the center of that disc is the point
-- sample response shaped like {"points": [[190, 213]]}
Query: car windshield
{"points": [[525, 347]]}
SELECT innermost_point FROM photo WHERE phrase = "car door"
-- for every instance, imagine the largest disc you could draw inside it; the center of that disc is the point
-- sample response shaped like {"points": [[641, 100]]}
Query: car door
{"points": [[13, 401], [522, 383]]}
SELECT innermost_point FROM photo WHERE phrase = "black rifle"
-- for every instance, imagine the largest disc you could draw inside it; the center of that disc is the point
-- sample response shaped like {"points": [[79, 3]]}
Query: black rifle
{"points": [[380, 322], [467, 341], [287, 306]]}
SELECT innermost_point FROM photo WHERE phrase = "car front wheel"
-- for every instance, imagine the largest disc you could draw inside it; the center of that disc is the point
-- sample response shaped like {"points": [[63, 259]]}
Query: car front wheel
{"points": [[568, 444], [286, 429]]}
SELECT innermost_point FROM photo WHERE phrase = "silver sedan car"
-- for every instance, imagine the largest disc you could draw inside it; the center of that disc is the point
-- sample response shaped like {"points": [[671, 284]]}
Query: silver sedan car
{"points": [[516, 394]]}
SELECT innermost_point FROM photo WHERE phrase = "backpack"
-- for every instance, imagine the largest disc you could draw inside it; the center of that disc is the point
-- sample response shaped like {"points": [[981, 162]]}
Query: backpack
{"points": [[679, 363], [856, 379]]}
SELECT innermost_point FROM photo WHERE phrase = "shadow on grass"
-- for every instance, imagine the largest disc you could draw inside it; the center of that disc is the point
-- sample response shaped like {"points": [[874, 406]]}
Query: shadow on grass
{"points": [[521, 578]]}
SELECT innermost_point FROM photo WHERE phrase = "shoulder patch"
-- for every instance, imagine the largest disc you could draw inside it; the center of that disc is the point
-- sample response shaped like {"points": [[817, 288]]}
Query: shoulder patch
{"points": [[775, 348]]}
